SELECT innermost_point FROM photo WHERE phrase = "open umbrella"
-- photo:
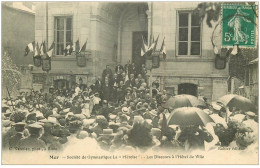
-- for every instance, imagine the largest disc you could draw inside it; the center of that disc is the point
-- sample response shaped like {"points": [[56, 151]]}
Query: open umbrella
{"points": [[186, 116], [233, 100], [184, 100]]}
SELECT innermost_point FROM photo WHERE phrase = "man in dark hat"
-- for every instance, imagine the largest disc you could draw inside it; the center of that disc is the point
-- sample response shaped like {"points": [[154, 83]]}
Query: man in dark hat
{"points": [[194, 137], [19, 128], [31, 118], [105, 110], [123, 120], [121, 92], [132, 80], [137, 84], [82, 86], [101, 123], [50, 140], [76, 108], [131, 69], [107, 72], [33, 140], [106, 90], [105, 139], [114, 84]]}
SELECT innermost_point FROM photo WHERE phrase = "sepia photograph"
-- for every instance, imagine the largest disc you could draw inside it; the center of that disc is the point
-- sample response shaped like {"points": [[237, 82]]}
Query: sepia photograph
{"points": [[129, 83]]}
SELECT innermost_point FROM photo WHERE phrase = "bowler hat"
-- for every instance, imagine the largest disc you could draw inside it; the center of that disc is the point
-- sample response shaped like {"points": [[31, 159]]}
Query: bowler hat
{"points": [[31, 118], [34, 128]]}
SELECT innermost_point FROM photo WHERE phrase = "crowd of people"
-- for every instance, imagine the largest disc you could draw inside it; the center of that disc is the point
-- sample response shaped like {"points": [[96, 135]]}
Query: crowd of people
{"points": [[117, 112]]}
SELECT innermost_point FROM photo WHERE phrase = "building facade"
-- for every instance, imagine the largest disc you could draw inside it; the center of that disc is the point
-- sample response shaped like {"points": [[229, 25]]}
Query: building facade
{"points": [[18, 25], [114, 31]]}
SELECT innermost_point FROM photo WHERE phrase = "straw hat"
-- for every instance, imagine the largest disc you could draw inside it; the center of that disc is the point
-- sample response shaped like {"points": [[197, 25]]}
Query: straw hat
{"points": [[107, 132]]}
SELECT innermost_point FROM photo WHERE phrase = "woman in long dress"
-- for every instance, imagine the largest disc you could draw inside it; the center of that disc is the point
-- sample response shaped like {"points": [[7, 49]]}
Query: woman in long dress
{"points": [[236, 24]]}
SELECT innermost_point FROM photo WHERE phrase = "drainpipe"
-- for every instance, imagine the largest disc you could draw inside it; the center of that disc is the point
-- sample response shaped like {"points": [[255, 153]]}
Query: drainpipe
{"points": [[47, 25]]}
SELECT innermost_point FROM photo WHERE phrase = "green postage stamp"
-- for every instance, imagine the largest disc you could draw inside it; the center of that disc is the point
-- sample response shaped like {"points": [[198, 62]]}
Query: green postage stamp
{"points": [[238, 25]]}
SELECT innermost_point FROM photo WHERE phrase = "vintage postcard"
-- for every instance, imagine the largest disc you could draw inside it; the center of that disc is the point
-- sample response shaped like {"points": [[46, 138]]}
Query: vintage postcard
{"points": [[129, 83]]}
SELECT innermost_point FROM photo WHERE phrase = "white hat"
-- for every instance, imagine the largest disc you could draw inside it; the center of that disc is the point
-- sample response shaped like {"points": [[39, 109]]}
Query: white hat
{"points": [[53, 120], [125, 110], [153, 112], [69, 114], [82, 135], [39, 114], [139, 119], [81, 116], [216, 106], [112, 116], [87, 122], [250, 114], [207, 111], [66, 110]]}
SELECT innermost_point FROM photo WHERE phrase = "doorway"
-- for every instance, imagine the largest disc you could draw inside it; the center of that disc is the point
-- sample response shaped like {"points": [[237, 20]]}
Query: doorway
{"points": [[61, 84], [137, 59], [188, 88]]}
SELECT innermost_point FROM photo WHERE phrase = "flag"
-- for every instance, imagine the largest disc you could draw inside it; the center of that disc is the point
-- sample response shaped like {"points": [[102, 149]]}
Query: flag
{"points": [[215, 50], [163, 49], [52, 46], [235, 50], [155, 43], [43, 48], [37, 50], [76, 48], [50, 50], [151, 39], [142, 52], [144, 47], [29, 48], [26, 51], [83, 48], [152, 47]]}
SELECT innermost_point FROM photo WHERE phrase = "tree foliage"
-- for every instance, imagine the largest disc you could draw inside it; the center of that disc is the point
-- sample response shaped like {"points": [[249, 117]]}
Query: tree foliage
{"points": [[11, 76]]}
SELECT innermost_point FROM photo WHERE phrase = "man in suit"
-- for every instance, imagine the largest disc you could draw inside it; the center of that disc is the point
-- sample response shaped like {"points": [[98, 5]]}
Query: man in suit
{"points": [[119, 68], [50, 140], [33, 140], [106, 73], [82, 86], [121, 92], [19, 128], [98, 85], [114, 85], [132, 80], [131, 69], [106, 90]]}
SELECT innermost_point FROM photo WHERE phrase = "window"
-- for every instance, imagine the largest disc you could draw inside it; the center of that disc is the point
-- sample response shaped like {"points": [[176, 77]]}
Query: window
{"points": [[63, 34], [189, 34]]}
